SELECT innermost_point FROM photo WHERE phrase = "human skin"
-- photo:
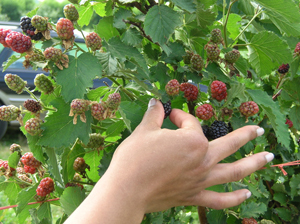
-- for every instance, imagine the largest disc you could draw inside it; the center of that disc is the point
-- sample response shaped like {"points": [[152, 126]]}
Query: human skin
{"points": [[155, 169]]}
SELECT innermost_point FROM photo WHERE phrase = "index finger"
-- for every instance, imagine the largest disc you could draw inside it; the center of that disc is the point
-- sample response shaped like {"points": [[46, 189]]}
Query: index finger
{"points": [[184, 120]]}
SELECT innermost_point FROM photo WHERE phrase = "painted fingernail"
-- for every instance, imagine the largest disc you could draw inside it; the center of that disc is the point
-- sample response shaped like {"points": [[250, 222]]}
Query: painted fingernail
{"points": [[260, 131], [269, 157], [248, 194], [151, 103]]}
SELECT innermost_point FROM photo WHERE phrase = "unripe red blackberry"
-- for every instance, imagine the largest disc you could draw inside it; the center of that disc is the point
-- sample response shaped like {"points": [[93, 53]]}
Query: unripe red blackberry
{"points": [[96, 141], [29, 160], [71, 12], [297, 50], [29, 169], [25, 178], [15, 83], [197, 62], [249, 108], [167, 108], [113, 101], [77, 177], [3, 34], [249, 221], [212, 52], [43, 83], [284, 68], [74, 185], [45, 187], [190, 91], [64, 29], [33, 126], [98, 111], [289, 123], [28, 28], [18, 42], [218, 90], [232, 56], [172, 87], [9, 113], [53, 54], [79, 106], [216, 36], [93, 41], [39, 22], [205, 112], [187, 57], [6, 169], [79, 165], [32, 106], [16, 148]]}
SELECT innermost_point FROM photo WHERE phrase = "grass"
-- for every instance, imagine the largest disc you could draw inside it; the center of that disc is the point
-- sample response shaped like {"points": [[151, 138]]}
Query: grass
{"points": [[9, 215]]}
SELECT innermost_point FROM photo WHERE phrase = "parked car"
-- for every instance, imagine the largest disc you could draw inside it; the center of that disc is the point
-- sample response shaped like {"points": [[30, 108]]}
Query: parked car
{"points": [[7, 96]]}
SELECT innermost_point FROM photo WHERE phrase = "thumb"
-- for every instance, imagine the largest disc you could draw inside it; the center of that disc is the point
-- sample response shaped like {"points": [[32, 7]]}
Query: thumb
{"points": [[154, 116]]}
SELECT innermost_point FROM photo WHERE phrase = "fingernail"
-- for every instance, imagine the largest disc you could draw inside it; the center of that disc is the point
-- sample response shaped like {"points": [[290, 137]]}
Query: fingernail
{"points": [[248, 194], [151, 103], [269, 157], [260, 131]]}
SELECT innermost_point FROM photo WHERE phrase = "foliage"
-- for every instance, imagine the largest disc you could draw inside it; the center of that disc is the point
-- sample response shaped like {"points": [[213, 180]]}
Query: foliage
{"points": [[143, 47]]}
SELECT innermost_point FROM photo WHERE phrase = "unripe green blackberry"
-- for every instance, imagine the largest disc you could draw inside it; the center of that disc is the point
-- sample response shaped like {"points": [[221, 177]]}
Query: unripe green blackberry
{"points": [[15, 83], [187, 57], [216, 36], [71, 12], [212, 52], [9, 113], [113, 101], [98, 111], [35, 57], [93, 41], [172, 87], [53, 54], [32, 106], [96, 141], [197, 62], [43, 83], [39, 22], [232, 56], [33, 126], [16, 148]]}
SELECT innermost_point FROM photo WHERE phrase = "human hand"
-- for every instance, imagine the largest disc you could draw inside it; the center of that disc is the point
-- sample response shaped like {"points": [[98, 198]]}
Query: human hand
{"points": [[155, 169]]}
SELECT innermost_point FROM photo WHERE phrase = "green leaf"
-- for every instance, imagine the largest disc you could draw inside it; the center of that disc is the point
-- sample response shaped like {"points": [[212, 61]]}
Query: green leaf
{"points": [[105, 28], [132, 114], [291, 90], [32, 12], [294, 116], [109, 64], [176, 55], [159, 73], [187, 5], [33, 214], [96, 94], [71, 199], [216, 217], [11, 60], [233, 25], [54, 168], [35, 148], [11, 190], [267, 51], [284, 213], [44, 212], [24, 214], [78, 76], [120, 15], [59, 126], [115, 129], [93, 160], [99, 8], [13, 160], [236, 90], [26, 196], [160, 23], [85, 15], [252, 209], [284, 14], [295, 185], [281, 198], [272, 110], [132, 37], [204, 17]]}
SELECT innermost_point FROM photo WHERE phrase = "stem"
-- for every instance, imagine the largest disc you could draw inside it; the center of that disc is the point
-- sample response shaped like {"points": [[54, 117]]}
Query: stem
{"points": [[202, 215], [97, 127], [257, 14], [77, 140], [30, 203], [79, 47], [226, 20], [191, 106], [128, 93]]}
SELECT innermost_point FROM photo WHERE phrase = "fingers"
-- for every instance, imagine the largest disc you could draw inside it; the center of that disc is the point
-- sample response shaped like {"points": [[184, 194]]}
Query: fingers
{"points": [[228, 172], [229, 144], [217, 200], [154, 115], [184, 120]]}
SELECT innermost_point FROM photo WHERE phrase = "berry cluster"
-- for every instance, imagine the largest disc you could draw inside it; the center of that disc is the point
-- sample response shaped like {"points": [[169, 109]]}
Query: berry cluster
{"points": [[28, 28], [45, 187]]}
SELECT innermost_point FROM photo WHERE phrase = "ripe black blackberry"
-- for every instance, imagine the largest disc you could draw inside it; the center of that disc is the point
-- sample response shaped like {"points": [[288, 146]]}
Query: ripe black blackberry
{"points": [[205, 129], [29, 29], [218, 129], [284, 68], [167, 108], [230, 128]]}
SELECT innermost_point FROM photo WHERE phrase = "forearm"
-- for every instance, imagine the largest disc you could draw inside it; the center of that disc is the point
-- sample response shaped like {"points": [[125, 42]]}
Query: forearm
{"points": [[109, 202]]}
